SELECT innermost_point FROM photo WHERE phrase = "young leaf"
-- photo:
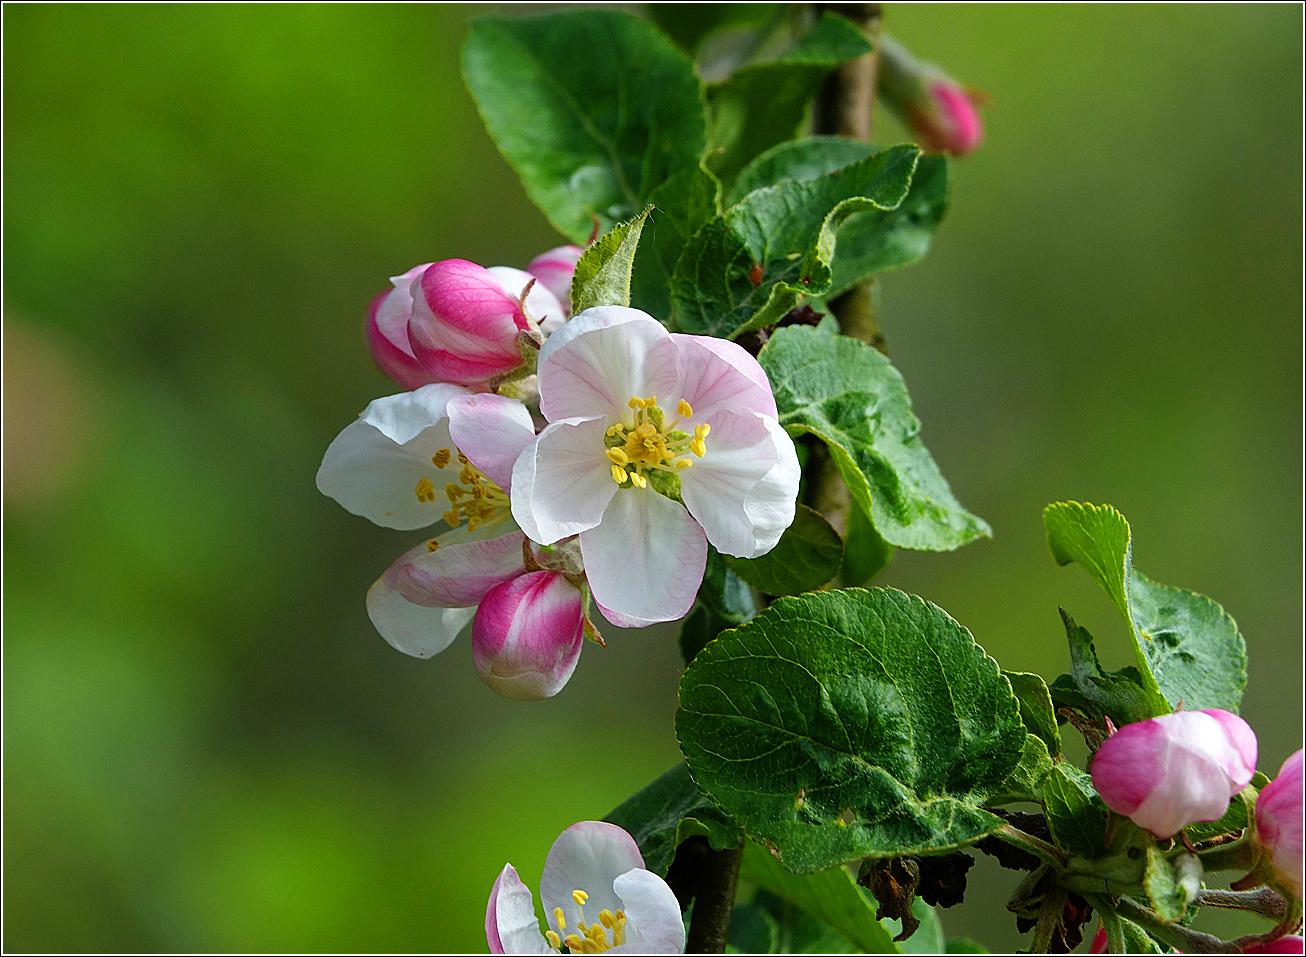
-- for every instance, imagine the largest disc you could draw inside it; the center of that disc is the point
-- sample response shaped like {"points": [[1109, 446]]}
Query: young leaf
{"points": [[669, 811], [685, 202], [749, 266], [722, 591], [689, 23], [831, 896], [763, 104], [850, 397], [594, 109], [1025, 782], [1187, 647], [602, 276], [1171, 885], [846, 724], [1075, 813], [799, 931], [1120, 695], [1036, 708], [807, 556], [753, 930], [868, 242]]}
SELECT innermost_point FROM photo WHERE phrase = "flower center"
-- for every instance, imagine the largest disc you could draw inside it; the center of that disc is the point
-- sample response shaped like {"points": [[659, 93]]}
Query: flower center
{"points": [[592, 938], [476, 499], [648, 443]]}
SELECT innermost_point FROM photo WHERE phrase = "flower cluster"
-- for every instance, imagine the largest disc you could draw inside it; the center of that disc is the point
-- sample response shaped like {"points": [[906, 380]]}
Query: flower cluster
{"points": [[652, 446]]}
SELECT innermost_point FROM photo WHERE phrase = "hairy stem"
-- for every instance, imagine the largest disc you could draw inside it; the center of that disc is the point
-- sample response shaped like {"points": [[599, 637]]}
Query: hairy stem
{"points": [[1176, 935], [713, 902], [1263, 901], [1028, 842]]}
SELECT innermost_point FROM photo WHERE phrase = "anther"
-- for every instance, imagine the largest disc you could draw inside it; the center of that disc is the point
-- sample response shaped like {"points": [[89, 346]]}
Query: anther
{"points": [[580, 897], [697, 447], [618, 456], [441, 458], [450, 517], [685, 409], [619, 474], [554, 940], [682, 464], [561, 919], [432, 545], [607, 918], [638, 480], [572, 941], [635, 402]]}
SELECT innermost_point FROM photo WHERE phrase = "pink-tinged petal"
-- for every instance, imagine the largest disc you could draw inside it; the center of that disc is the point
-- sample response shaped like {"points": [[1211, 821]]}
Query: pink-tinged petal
{"points": [[1129, 765], [653, 921], [527, 636], [716, 374], [562, 482], [1292, 944], [542, 305], [594, 364], [1099, 942], [511, 926], [588, 857], [413, 629], [1240, 762], [492, 431], [464, 325], [373, 467], [457, 575], [555, 270], [961, 129], [1279, 822], [646, 558], [743, 491], [387, 332]]}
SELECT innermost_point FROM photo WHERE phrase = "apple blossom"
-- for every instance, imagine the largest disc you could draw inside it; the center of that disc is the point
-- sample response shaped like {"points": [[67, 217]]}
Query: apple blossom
{"points": [[613, 468], [1168, 772], [1279, 822], [593, 867], [441, 454], [454, 321]]}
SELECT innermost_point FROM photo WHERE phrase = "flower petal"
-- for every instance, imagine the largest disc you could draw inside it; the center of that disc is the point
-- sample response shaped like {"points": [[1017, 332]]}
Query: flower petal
{"points": [[646, 558], [743, 491], [511, 926], [541, 304], [491, 430], [387, 331], [413, 629], [597, 361], [464, 324], [716, 374], [562, 482], [556, 268], [374, 465], [458, 575], [653, 921], [588, 857], [527, 636]]}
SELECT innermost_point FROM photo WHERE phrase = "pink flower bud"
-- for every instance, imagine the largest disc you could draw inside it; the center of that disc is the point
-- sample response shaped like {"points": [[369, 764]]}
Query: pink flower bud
{"points": [[387, 332], [1175, 770], [542, 306], [465, 324], [1098, 946], [555, 269], [942, 114], [1284, 945], [1279, 824], [527, 636]]}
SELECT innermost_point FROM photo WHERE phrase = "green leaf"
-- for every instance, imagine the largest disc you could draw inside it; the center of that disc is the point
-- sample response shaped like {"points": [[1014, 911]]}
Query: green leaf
{"points": [[849, 396], [847, 724], [749, 266], [722, 591], [686, 201], [807, 556], [1120, 695], [763, 104], [689, 23], [831, 896], [1036, 708], [1076, 815], [865, 552], [594, 110], [700, 627], [669, 811], [753, 930], [928, 938], [1234, 819], [964, 945], [869, 242], [799, 931], [1171, 885], [1187, 647], [1025, 782], [602, 276]]}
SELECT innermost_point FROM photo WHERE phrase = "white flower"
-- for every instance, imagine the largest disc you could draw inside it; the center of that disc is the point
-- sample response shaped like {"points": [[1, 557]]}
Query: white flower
{"points": [[597, 896], [612, 463]]}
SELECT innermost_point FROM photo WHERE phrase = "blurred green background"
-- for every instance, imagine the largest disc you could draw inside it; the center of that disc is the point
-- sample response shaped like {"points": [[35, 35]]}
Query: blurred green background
{"points": [[208, 748]]}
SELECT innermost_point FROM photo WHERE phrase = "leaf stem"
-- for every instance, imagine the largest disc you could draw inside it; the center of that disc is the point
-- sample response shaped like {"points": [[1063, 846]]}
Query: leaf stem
{"points": [[1176, 935], [1263, 901], [714, 899], [1115, 930], [1028, 842]]}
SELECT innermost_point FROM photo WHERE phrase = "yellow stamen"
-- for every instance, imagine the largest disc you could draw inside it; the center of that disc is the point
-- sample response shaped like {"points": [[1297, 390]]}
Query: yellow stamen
{"points": [[441, 459], [572, 941], [651, 401], [560, 919], [638, 480], [618, 456], [682, 464], [697, 447], [554, 940], [607, 918], [635, 402], [463, 459], [685, 409], [580, 897], [702, 431], [619, 474], [432, 545]]}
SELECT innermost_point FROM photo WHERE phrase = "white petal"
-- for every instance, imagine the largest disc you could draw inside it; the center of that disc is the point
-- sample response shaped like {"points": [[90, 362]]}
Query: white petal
{"points": [[743, 491], [413, 629], [716, 374], [541, 304], [646, 558], [562, 482], [593, 366], [491, 430], [374, 465], [510, 921], [458, 575], [653, 921], [588, 857]]}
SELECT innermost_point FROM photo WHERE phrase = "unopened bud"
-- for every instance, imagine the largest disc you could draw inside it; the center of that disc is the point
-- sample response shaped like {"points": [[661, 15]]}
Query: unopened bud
{"points": [[527, 635], [940, 112], [1279, 823], [555, 269]]}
